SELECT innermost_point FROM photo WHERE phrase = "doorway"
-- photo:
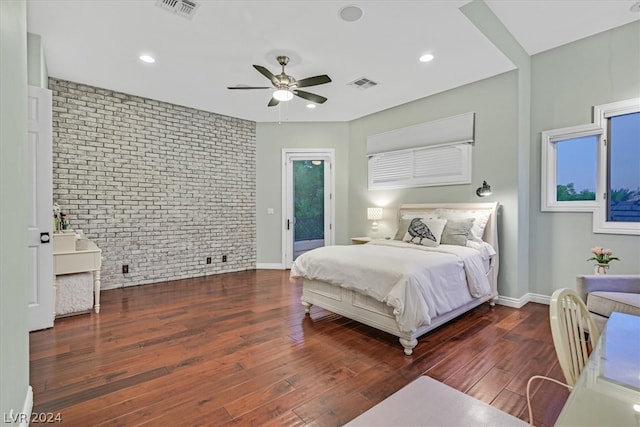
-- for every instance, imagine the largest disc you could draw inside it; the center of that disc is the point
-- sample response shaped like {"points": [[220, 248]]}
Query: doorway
{"points": [[308, 199]]}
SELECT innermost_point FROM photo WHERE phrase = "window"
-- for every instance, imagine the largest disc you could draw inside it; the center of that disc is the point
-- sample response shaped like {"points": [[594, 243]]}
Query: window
{"points": [[569, 164], [619, 200], [422, 167], [594, 168]]}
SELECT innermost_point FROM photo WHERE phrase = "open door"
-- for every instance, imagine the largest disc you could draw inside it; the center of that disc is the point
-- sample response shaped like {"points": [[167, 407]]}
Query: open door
{"points": [[308, 188], [40, 214]]}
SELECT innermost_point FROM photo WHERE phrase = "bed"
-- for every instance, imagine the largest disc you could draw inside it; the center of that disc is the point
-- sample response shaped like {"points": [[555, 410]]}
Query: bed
{"points": [[435, 269]]}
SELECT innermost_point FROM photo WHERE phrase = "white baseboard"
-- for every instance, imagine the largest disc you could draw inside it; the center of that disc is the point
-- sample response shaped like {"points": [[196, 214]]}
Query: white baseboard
{"points": [[539, 298], [520, 302], [269, 266]]}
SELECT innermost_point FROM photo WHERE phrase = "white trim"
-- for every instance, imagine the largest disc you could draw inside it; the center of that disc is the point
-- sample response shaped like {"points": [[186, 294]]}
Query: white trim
{"points": [[523, 300], [269, 266], [328, 154], [513, 302], [549, 162], [539, 298]]}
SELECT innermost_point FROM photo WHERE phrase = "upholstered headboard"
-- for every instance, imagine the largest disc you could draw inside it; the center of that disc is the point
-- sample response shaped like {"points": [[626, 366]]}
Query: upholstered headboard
{"points": [[490, 232]]}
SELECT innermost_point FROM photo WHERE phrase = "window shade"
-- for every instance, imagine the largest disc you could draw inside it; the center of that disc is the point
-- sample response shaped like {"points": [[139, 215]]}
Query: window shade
{"points": [[447, 131], [442, 165]]}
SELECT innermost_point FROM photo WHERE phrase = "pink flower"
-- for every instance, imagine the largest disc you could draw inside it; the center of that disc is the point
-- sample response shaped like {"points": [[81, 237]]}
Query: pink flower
{"points": [[602, 255]]}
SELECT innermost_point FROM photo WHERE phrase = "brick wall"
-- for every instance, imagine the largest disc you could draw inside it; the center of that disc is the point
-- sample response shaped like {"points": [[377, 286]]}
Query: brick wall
{"points": [[157, 186]]}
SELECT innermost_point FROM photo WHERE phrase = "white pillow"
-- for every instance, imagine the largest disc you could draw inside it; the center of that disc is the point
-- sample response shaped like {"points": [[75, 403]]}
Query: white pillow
{"points": [[425, 232], [405, 220], [481, 218]]}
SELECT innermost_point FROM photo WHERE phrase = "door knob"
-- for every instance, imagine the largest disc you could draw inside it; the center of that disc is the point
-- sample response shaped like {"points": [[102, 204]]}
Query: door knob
{"points": [[45, 238]]}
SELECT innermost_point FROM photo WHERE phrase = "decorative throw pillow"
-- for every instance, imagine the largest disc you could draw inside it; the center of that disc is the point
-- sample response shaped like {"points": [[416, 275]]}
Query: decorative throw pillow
{"points": [[406, 218], [456, 231], [425, 232], [481, 219]]}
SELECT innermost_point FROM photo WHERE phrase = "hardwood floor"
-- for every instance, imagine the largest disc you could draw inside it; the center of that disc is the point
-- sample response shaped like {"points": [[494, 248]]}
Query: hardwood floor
{"points": [[237, 349]]}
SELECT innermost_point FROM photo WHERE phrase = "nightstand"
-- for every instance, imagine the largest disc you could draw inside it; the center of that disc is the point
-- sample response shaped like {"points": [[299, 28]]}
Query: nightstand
{"points": [[360, 240]]}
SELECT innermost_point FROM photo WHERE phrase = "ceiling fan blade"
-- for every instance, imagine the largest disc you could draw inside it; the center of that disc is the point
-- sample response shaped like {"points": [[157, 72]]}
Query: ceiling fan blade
{"points": [[273, 102], [310, 96], [249, 87], [312, 81], [268, 74]]}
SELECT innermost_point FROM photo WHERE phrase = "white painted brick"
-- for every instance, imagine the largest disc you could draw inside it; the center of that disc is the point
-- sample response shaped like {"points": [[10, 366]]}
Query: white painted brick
{"points": [[157, 186]]}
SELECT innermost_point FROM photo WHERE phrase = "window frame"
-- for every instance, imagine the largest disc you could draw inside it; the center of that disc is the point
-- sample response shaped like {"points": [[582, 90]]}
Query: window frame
{"points": [[548, 190], [600, 127], [601, 115]]}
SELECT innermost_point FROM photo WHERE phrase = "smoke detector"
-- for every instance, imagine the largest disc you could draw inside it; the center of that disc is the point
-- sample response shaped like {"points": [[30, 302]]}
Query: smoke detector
{"points": [[184, 8]]}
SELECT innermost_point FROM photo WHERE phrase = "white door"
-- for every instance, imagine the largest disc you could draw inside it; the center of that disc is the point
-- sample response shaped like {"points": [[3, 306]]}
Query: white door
{"points": [[308, 201], [40, 214]]}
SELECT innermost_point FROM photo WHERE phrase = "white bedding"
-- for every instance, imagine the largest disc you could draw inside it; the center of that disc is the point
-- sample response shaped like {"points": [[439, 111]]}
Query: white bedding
{"points": [[419, 282]]}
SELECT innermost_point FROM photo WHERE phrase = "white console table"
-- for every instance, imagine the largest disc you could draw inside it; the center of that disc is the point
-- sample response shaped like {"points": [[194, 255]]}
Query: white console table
{"points": [[69, 260]]}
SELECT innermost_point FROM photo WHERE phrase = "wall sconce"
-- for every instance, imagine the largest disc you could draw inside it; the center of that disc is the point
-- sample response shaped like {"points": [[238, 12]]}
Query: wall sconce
{"points": [[374, 214], [485, 190]]}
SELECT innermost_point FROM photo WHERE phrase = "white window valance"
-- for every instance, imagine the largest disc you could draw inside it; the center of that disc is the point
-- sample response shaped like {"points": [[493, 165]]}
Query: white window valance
{"points": [[450, 130]]}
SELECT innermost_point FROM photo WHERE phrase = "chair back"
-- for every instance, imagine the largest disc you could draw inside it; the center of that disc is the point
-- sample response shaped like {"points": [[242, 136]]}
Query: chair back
{"points": [[571, 324]]}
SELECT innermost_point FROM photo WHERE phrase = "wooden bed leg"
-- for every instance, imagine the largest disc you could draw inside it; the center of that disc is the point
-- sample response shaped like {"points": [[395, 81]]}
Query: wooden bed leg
{"points": [[408, 345], [307, 306]]}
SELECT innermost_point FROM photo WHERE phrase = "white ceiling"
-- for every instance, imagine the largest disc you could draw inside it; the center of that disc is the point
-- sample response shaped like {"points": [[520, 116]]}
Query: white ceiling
{"points": [[97, 42]]}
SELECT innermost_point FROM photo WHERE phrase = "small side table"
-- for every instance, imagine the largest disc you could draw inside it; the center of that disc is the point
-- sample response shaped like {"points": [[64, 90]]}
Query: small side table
{"points": [[360, 240]]}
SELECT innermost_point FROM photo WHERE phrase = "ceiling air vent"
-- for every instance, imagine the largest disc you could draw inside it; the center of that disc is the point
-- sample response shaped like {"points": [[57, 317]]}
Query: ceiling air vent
{"points": [[362, 83], [184, 8]]}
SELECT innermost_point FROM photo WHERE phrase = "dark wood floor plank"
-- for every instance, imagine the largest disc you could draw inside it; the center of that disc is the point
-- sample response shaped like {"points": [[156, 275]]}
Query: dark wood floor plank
{"points": [[237, 349]]}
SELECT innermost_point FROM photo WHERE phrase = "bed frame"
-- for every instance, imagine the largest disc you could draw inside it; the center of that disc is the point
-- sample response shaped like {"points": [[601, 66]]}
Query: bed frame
{"points": [[376, 314]]}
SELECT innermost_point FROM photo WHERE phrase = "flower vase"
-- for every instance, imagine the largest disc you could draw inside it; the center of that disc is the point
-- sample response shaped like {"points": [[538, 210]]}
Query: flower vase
{"points": [[601, 268]]}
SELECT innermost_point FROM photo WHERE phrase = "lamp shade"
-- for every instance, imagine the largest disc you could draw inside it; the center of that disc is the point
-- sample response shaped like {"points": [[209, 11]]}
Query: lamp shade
{"points": [[485, 190], [374, 214]]}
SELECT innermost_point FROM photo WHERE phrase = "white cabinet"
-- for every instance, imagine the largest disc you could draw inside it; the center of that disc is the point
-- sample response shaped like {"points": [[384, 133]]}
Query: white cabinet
{"points": [[70, 257]]}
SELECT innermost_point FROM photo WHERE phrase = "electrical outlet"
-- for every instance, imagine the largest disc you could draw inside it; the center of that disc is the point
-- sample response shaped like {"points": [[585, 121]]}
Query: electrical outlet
{"points": [[224, 258], [125, 268], [208, 260]]}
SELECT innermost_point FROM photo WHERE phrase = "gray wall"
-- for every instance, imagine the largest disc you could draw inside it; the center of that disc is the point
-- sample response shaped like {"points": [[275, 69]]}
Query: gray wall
{"points": [[156, 186], [37, 65], [567, 82], [495, 153], [272, 138], [14, 336]]}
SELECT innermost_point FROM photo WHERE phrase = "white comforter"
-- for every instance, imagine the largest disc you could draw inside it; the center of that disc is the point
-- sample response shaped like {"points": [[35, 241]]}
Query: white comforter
{"points": [[417, 281]]}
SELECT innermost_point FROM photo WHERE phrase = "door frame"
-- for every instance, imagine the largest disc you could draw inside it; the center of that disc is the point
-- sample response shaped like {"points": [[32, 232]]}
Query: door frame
{"points": [[290, 154]]}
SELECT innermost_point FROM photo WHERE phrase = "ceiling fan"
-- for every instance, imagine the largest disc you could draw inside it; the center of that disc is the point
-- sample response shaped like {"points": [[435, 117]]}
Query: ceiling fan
{"points": [[287, 86]]}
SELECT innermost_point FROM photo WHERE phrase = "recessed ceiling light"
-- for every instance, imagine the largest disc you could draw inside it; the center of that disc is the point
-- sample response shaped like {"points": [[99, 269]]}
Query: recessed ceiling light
{"points": [[147, 58], [426, 58], [311, 106], [350, 13]]}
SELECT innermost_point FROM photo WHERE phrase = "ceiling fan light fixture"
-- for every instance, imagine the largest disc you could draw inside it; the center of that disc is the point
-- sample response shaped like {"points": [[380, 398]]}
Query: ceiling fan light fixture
{"points": [[311, 106], [426, 57], [147, 58], [283, 95]]}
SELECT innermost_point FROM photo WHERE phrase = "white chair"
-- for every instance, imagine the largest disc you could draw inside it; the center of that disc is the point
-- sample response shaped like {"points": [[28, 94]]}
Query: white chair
{"points": [[574, 333], [571, 328]]}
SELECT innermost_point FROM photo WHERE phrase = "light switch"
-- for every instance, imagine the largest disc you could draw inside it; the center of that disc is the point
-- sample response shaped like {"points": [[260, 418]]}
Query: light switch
{"points": [[269, 211]]}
